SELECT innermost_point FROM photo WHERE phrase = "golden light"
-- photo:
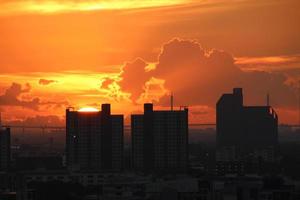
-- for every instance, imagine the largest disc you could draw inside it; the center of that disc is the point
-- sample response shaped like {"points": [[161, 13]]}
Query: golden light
{"points": [[53, 6], [88, 109]]}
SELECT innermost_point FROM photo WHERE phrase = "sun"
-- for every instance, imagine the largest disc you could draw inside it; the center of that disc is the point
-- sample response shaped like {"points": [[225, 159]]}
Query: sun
{"points": [[88, 109]]}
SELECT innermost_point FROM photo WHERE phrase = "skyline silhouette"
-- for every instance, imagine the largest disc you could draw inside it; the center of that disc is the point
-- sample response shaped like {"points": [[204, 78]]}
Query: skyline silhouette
{"points": [[102, 159], [149, 100], [79, 57]]}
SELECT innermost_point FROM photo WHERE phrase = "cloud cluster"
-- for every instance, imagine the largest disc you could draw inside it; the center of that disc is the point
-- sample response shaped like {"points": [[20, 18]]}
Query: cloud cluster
{"points": [[198, 77], [12, 97], [134, 76], [106, 83], [46, 81], [15, 95]]}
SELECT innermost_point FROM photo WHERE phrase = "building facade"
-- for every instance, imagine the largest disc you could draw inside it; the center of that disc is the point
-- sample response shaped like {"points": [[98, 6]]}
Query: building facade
{"points": [[247, 136], [160, 140], [94, 140], [4, 148]]}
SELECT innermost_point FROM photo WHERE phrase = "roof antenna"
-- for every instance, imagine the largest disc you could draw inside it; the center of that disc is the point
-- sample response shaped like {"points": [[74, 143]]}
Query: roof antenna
{"points": [[298, 102], [268, 99], [172, 101]]}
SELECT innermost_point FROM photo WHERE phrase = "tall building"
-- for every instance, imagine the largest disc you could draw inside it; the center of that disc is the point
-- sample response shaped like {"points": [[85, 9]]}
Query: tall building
{"points": [[4, 148], [94, 139], [245, 134], [160, 140]]}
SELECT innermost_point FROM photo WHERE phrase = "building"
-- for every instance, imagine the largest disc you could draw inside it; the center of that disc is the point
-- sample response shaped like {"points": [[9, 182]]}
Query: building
{"points": [[38, 184], [34, 185], [246, 135], [4, 148], [160, 140], [94, 140]]}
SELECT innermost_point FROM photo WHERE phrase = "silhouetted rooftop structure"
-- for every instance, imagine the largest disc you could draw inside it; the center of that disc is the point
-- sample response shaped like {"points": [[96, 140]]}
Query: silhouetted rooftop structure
{"points": [[245, 126], [246, 135], [160, 140], [94, 139]]}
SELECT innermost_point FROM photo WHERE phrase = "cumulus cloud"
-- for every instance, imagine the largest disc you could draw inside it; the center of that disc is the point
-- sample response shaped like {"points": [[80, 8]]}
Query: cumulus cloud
{"points": [[106, 83], [198, 77], [11, 97], [153, 90], [14, 96], [46, 81], [134, 76]]}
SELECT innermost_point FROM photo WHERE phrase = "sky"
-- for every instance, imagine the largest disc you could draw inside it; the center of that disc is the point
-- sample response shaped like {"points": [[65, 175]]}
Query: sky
{"points": [[60, 53]]}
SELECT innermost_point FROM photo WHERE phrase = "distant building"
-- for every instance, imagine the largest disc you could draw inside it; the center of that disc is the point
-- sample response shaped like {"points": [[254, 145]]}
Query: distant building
{"points": [[160, 140], [4, 148], [245, 134], [46, 162], [94, 140], [38, 184]]}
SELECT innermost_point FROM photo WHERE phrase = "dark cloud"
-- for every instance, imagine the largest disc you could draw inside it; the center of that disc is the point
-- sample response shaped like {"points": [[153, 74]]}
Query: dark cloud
{"points": [[106, 83], [134, 76], [13, 97], [46, 82], [198, 77]]}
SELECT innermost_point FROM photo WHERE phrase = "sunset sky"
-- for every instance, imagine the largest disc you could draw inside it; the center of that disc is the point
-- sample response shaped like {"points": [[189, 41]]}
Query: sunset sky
{"points": [[81, 53]]}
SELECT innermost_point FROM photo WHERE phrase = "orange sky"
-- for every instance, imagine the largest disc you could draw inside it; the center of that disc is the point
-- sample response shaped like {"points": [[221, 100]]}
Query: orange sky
{"points": [[59, 53]]}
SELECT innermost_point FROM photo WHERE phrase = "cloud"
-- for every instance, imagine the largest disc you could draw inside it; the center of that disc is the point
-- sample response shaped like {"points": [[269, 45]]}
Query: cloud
{"points": [[49, 120], [46, 81], [270, 63], [106, 83], [153, 90], [15, 95], [12, 95], [111, 89], [198, 77], [202, 114], [134, 76]]}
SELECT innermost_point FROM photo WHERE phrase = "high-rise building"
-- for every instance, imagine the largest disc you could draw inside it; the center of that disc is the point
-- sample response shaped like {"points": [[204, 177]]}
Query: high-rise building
{"points": [[245, 134], [4, 148], [94, 139], [160, 140]]}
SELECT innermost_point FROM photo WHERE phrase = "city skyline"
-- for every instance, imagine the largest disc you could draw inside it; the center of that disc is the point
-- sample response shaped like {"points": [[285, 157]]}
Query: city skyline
{"points": [[57, 54], [156, 157], [149, 99]]}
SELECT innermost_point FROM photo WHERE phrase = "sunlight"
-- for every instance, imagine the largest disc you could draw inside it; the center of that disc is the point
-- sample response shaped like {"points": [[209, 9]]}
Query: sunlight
{"points": [[53, 6], [88, 109]]}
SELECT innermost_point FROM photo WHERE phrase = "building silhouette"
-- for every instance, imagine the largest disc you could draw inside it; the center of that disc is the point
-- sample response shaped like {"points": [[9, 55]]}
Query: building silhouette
{"points": [[4, 148], [247, 136], [94, 140], [160, 140]]}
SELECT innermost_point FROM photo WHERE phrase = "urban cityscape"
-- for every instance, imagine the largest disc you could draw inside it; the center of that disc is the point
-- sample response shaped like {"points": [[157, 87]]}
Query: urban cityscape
{"points": [[159, 161], [149, 100]]}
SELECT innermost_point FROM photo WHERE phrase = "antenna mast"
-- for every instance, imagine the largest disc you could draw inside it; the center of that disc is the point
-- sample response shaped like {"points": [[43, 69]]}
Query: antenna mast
{"points": [[172, 101], [299, 102]]}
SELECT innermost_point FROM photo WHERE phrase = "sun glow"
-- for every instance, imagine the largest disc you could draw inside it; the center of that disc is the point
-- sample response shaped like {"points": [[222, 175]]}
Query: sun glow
{"points": [[88, 109], [55, 6]]}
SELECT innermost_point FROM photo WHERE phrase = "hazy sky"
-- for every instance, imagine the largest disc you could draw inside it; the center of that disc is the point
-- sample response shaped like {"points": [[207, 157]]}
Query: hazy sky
{"points": [[60, 53]]}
